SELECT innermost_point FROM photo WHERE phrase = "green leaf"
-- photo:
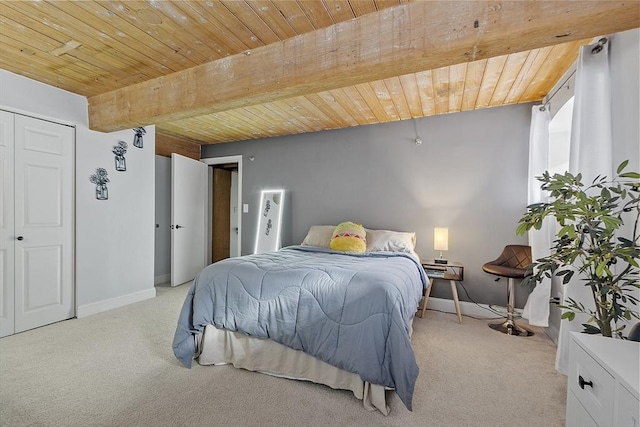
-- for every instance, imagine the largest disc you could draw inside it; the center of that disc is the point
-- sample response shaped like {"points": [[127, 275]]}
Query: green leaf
{"points": [[569, 276], [565, 230], [568, 315], [622, 166], [534, 206], [522, 228], [600, 269], [611, 223], [625, 242], [633, 175], [590, 329]]}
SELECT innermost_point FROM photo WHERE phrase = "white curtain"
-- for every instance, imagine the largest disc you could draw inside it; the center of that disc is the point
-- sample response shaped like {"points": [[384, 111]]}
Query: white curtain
{"points": [[591, 155], [536, 310]]}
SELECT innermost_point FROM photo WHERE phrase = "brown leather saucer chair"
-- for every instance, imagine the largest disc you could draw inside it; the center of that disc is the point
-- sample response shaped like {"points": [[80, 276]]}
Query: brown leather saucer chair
{"points": [[512, 263]]}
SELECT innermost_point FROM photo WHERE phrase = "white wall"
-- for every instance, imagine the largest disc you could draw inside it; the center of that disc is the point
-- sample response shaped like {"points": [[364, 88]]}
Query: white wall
{"points": [[114, 238], [162, 269]]}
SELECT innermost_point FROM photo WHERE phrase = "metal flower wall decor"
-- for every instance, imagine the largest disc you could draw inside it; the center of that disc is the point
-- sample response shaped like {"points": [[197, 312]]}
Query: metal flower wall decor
{"points": [[119, 150], [100, 179], [137, 138]]}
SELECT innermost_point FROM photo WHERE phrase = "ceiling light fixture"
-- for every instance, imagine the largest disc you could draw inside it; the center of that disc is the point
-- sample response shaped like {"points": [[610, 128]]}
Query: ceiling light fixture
{"points": [[418, 140]]}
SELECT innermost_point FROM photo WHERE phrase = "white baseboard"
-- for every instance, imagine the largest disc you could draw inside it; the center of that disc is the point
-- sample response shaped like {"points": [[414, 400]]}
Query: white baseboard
{"points": [[164, 278], [467, 308], [552, 332], [110, 304], [481, 311]]}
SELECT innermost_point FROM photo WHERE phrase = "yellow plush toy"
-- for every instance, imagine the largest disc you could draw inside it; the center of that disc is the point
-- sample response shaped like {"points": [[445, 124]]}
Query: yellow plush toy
{"points": [[349, 237]]}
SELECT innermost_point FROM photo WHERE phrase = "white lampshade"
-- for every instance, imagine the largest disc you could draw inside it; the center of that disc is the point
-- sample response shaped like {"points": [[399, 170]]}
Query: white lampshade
{"points": [[440, 239]]}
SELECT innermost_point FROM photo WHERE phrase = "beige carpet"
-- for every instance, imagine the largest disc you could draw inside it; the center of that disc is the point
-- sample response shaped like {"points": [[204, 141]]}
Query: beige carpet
{"points": [[117, 369]]}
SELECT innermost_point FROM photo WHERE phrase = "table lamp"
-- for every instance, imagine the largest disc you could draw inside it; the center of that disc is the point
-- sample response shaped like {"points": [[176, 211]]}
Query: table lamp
{"points": [[440, 242]]}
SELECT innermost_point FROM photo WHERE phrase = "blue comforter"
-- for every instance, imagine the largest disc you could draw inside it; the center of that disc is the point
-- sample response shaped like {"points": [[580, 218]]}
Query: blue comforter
{"points": [[352, 311]]}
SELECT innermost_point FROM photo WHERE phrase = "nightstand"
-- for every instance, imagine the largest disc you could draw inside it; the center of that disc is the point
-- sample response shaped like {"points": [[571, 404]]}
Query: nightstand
{"points": [[452, 271], [603, 381]]}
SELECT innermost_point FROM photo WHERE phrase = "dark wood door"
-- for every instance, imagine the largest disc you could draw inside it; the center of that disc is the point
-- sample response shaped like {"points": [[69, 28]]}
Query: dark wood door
{"points": [[221, 214]]}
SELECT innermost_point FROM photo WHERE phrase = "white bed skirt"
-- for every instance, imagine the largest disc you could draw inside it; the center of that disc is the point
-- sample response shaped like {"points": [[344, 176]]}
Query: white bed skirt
{"points": [[220, 346]]}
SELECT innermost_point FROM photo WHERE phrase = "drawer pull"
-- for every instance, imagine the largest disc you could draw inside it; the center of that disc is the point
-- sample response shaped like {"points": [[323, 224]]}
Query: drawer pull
{"points": [[583, 383]]}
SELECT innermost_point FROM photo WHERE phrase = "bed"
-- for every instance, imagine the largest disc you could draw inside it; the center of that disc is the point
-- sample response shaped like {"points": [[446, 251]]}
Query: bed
{"points": [[308, 312]]}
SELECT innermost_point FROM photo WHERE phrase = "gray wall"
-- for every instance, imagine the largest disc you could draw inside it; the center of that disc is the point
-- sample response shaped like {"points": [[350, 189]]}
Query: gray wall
{"points": [[470, 175]]}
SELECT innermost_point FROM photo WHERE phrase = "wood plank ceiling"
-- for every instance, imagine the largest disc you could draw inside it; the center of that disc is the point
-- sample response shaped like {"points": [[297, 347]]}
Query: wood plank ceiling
{"points": [[96, 47]]}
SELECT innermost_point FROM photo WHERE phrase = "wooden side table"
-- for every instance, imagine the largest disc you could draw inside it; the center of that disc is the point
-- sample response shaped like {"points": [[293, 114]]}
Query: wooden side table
{"points": [[452, 271]]}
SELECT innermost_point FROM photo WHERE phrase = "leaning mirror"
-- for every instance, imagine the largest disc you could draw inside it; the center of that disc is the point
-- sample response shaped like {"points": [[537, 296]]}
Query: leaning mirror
{"points": [[269, 221]]}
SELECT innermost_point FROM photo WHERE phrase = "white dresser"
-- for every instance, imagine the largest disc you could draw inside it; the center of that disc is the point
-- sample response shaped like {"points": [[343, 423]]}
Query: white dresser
{"points": [[604, 377]]}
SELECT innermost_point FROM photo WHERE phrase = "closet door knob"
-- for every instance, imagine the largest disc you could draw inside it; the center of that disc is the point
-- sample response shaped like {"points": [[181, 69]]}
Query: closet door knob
{"points": [[19, 238], [583, 383]]}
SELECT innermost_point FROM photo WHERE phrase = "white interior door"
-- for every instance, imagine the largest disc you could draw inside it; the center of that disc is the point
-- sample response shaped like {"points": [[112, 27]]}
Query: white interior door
{"points": [[188, 218], [43, 222], [7, 235], [234, 226]]}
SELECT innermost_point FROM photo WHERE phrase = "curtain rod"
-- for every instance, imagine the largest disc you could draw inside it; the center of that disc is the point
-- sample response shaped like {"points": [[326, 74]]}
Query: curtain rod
{"points": [[544, 106], [596, 49]]}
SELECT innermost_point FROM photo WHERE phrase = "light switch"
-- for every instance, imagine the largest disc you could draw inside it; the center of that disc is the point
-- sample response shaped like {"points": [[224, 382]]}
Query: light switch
{"points": [[245, 208]]}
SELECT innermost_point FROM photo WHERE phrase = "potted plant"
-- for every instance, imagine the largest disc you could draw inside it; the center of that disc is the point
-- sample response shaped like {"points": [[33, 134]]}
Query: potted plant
{"points": [[587, 243]]}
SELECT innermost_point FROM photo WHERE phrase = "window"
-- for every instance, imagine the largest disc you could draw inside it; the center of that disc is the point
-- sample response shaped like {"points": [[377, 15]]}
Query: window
{"points": [[560, 138]]}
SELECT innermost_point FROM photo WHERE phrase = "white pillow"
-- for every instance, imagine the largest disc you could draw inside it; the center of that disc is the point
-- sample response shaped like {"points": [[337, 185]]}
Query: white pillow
{"points": [[390, 241], [319, 236]]}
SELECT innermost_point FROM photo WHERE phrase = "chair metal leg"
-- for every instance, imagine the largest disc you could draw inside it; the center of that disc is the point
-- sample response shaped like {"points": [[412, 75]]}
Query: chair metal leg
{"points": [[509, 326]]}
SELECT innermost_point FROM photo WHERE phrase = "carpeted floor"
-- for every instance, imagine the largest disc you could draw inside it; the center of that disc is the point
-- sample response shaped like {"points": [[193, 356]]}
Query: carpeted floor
{"points": [[117, 369]]}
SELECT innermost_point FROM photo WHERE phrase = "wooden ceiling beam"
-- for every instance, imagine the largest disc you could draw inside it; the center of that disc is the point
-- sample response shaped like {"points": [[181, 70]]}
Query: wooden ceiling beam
{"points": [[166, 144], [413, 37]]}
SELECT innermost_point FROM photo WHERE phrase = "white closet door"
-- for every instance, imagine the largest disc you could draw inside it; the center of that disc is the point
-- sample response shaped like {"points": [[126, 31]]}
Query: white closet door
{"points": [[188, 216], [43, 222], [7, 236]]}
